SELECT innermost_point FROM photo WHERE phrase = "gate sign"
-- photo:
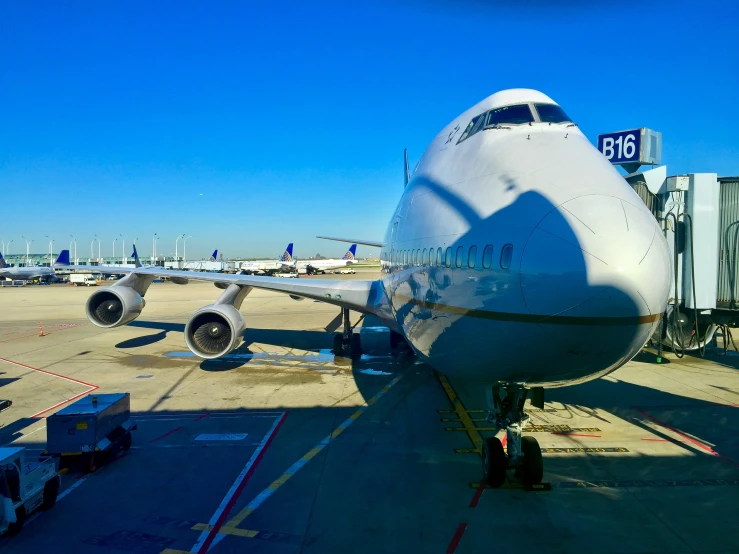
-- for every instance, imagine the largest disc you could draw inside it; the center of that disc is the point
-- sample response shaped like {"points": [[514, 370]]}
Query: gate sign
{"points": [[621, 147], [632, 148]]}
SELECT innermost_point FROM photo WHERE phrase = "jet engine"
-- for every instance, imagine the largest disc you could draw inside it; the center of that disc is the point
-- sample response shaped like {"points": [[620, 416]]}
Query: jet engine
{"points": [[114, 306], [214, 331]]}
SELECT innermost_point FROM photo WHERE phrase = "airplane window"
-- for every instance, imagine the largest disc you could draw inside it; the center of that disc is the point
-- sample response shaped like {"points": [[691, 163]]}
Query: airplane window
{"points": [[460, 253], [506, 254], [431, 256], [551, 113], [516, 115], [438, 257], [474, 126], [424, 257], [448, 261], [487, 256], [472, 258]]}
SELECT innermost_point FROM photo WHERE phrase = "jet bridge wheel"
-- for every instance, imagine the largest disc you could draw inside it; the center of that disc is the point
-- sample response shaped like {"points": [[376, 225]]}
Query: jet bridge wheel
{"points": [[51, 491], [494, 462], [531, 470]]}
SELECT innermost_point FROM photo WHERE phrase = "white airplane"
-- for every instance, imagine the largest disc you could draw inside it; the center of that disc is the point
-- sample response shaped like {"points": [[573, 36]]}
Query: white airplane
{"points": [[322, 266], [518, 258], [269, 267], [29, 273]]}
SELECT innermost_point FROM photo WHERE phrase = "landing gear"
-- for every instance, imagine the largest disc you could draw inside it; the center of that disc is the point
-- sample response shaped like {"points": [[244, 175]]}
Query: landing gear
{"points": [[348, 342], [524, 455]]}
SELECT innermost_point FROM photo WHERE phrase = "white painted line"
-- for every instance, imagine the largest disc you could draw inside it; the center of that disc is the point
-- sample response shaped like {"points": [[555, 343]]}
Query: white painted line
{"points": [[218, 517], [74, 486], [221, 437]]}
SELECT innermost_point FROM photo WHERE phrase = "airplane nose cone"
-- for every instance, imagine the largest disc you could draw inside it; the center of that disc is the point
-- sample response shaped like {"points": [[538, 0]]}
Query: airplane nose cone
{"points": [[599, 267]]}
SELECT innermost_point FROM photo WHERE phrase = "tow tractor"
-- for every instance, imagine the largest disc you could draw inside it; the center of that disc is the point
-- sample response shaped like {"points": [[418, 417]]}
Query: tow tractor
{"points": [[24, 487]]}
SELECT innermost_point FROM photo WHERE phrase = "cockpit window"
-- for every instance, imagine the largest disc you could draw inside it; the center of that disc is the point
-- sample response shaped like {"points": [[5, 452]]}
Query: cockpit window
{"points": [[551, 113], [512, 115], [474, 126]]}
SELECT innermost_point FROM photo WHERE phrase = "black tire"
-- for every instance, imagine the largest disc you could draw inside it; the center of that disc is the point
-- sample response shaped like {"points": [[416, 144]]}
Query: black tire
{"points": [[51, 491], [127, 440], [532, 470], [494, 463], [356, 345], [20, 519], [338, 345]]}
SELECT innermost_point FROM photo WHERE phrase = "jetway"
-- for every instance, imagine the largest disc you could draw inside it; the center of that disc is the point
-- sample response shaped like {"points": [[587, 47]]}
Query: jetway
{"points": [[699, 216]]}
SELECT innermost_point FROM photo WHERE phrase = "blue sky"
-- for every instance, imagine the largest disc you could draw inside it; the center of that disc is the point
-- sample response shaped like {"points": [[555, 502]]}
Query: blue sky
{"points": [[251, 124]]}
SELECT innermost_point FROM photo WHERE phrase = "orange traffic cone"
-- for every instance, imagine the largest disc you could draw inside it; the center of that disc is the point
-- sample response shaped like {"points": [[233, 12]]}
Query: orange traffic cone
{"points": [[40, 330]]}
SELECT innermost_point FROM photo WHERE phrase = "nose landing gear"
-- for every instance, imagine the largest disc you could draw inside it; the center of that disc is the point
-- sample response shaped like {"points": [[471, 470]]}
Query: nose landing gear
{"points": [[524, 455]]}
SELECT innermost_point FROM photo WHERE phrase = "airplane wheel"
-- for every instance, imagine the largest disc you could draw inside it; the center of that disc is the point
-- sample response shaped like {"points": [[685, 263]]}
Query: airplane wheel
{"points": [[356, 345], [494, 462], [532, 470], [338, 344]]}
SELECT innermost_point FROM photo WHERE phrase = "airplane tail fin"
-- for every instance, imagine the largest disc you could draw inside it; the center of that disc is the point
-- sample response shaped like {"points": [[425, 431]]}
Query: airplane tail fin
{"points": [[63, 258], [135, 257], [2, 261], [351, 253], [214, 255], [407, 173], [288, 255]]}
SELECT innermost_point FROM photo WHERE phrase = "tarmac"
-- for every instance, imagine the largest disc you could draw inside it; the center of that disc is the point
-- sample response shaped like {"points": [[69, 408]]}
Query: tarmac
{"points": [[282, 447]]}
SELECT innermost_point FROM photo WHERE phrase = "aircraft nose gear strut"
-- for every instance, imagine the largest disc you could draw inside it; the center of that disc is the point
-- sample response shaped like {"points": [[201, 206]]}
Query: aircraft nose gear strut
{"points": [[524, 455], [347, 342]]}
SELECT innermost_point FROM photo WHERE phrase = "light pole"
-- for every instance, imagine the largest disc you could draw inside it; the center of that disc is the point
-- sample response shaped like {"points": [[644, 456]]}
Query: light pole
{"points": [[51, 248], [100, 260], [8, 252], [123, 250], [92, 252], [74, 240], [184, 249], [176, 253], [114, 241], [28, 248], [154, 249]]}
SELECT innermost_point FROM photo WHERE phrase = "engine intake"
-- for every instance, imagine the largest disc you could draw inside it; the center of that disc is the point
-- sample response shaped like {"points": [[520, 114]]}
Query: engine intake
{"points": [[114, 306], [214, 331]]}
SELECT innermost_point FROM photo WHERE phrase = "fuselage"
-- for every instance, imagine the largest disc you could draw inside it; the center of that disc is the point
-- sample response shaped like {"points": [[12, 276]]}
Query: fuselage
{"points": [[517, 253], [26, 273], [325, 265]]}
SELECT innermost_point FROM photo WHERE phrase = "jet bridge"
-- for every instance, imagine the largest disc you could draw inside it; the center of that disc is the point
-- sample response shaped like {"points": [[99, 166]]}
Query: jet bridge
{"points": [[699, 215]]}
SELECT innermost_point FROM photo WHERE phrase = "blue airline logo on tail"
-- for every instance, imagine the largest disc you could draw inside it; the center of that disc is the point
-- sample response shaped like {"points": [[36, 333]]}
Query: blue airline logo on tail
{"points": [[2, 261], [288, 255], [63, 258], [350, 253], [214, 255], [135, 257]]}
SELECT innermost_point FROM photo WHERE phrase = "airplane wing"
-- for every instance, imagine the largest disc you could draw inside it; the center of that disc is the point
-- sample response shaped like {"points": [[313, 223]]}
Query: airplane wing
{"points": [[365, 242], [361, 296]]}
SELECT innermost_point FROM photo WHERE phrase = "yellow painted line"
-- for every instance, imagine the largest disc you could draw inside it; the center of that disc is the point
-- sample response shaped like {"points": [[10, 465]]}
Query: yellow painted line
{"points": [[248, 533], [293, 469], [469, 426]]}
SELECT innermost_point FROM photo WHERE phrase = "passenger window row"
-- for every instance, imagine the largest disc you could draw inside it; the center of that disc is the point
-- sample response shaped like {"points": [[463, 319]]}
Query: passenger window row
{"points": [[453, 258]]}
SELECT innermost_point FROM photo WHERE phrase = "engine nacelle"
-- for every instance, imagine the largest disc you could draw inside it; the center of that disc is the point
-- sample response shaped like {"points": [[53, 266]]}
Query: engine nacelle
{"points": [[214, 331], [114, 306]]}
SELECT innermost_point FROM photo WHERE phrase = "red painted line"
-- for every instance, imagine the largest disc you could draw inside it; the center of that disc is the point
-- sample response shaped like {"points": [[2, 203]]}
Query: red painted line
{"points": [[504, 440], [576, 435], [75, 397], [452, 548], [206, 414], [478, 494], [691, 440], [48, 372], [167, 434], [240, 487]]}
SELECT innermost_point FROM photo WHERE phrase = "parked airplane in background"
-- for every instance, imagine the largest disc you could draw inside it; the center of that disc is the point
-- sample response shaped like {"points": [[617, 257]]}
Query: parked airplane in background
{"points": [[29, 273], [513, 231], [322, 266], [269, 267]]}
